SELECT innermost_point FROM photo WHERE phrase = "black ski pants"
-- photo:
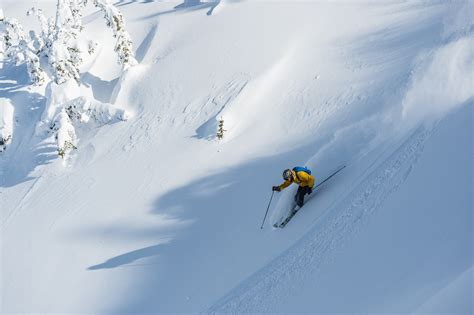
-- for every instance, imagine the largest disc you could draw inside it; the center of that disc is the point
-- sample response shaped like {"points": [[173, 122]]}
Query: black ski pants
{"points": [[299, 197]]}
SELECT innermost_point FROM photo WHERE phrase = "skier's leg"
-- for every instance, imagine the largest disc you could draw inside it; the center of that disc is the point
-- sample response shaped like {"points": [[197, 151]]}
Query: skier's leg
{"points": [[300, 196]]}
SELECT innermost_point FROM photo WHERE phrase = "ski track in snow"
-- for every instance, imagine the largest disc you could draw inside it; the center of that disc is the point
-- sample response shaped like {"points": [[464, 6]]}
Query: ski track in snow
{"points": [[263, 291], [215, 104], [20, 204]]}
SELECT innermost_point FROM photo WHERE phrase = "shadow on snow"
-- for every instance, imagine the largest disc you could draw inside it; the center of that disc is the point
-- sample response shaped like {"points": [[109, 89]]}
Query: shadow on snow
{"points": [[28, 107], [186, 6], [226, 209]]}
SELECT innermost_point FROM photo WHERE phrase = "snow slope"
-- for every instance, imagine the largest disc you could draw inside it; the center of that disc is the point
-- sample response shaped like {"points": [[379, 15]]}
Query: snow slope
{"points": [[398, 259], [154, 215]]}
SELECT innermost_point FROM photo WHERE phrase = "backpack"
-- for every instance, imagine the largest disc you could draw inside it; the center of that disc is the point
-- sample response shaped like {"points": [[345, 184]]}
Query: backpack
{"points": [[297, 169]]}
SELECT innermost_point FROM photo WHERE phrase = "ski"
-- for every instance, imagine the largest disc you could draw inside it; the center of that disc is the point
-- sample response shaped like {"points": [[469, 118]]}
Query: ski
{"points": [[288, 218], [293, 211]]}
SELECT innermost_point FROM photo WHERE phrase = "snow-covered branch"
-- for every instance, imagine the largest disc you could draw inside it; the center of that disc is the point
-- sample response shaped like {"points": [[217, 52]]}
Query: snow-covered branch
{"points": [[83, 109]]}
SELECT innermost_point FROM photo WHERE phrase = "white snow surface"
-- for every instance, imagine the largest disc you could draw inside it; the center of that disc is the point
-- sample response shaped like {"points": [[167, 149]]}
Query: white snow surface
{"points": [[154, 215]]}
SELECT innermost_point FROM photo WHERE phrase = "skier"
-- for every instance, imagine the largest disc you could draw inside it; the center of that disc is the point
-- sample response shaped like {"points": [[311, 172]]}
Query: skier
{"points": [[302, 177]]}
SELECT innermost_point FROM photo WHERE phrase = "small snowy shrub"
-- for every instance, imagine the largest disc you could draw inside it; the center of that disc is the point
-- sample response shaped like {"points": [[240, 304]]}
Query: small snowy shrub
{"points": [[220, 129], [4, 141]]}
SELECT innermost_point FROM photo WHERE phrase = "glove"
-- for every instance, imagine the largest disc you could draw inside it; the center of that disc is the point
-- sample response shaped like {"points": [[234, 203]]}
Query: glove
{"points": [[310, 190], [276, 188]]}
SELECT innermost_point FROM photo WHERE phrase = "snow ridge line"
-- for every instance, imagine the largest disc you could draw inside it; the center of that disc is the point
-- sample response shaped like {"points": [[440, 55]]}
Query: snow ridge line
{"points": [[267, 288]]}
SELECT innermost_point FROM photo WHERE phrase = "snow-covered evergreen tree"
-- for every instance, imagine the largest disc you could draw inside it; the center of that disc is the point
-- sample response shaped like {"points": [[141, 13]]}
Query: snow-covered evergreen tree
{"points": [[18, 47], [65, 133], [59, 40], [56, 53], [115, 21], [12, 35], [64, 55], [43, 40], [35, 72]]}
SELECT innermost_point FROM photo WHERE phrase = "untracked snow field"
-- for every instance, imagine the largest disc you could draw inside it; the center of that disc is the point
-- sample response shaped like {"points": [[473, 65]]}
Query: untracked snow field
{"points": [[154, 214]]}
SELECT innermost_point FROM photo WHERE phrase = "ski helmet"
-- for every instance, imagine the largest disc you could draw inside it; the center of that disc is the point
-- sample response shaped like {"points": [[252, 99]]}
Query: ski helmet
{"points": [[287, 174]]}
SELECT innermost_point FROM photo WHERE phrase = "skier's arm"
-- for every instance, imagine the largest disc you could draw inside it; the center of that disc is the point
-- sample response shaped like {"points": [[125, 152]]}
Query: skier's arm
{"points": [[285, 184]]}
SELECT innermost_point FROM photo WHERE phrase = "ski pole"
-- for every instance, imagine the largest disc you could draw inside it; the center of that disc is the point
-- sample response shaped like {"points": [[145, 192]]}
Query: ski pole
{"points": [[268, 207], [329, 177]]}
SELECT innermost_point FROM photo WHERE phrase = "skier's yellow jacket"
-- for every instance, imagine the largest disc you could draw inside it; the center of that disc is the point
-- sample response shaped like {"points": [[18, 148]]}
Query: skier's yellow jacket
{"points": [[301, 178]]}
